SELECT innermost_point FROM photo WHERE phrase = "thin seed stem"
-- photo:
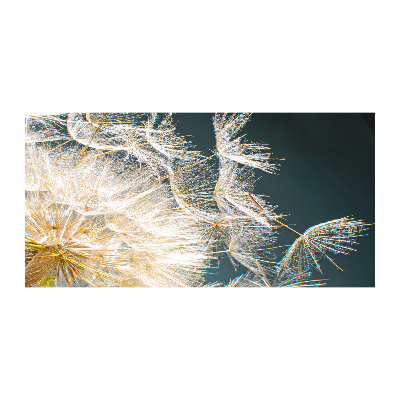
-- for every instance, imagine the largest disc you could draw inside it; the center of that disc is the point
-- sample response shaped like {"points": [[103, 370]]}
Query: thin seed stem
{"points": [[94, 134], [182, 169], [279, 222], [62, 144], [266, 281]]}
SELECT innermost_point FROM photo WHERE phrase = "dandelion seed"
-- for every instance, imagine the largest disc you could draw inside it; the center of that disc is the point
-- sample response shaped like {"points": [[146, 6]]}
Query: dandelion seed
{"points": [[140, 136], [336, 236], [45, 128], [232, 147]]}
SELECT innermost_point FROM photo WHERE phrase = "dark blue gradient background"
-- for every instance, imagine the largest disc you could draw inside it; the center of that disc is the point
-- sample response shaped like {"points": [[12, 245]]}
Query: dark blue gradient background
{"points": [[328, 172]]}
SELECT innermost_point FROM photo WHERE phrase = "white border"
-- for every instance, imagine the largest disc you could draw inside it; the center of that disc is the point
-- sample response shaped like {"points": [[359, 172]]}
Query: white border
{"points": [[196, 344]]}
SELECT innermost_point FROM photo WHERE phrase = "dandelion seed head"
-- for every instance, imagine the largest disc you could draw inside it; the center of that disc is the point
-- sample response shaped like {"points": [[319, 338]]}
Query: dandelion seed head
{"points": [[122, 199]]}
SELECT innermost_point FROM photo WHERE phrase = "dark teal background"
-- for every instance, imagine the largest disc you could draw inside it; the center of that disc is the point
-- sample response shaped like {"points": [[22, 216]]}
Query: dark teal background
{"points": [[328, 173]]}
